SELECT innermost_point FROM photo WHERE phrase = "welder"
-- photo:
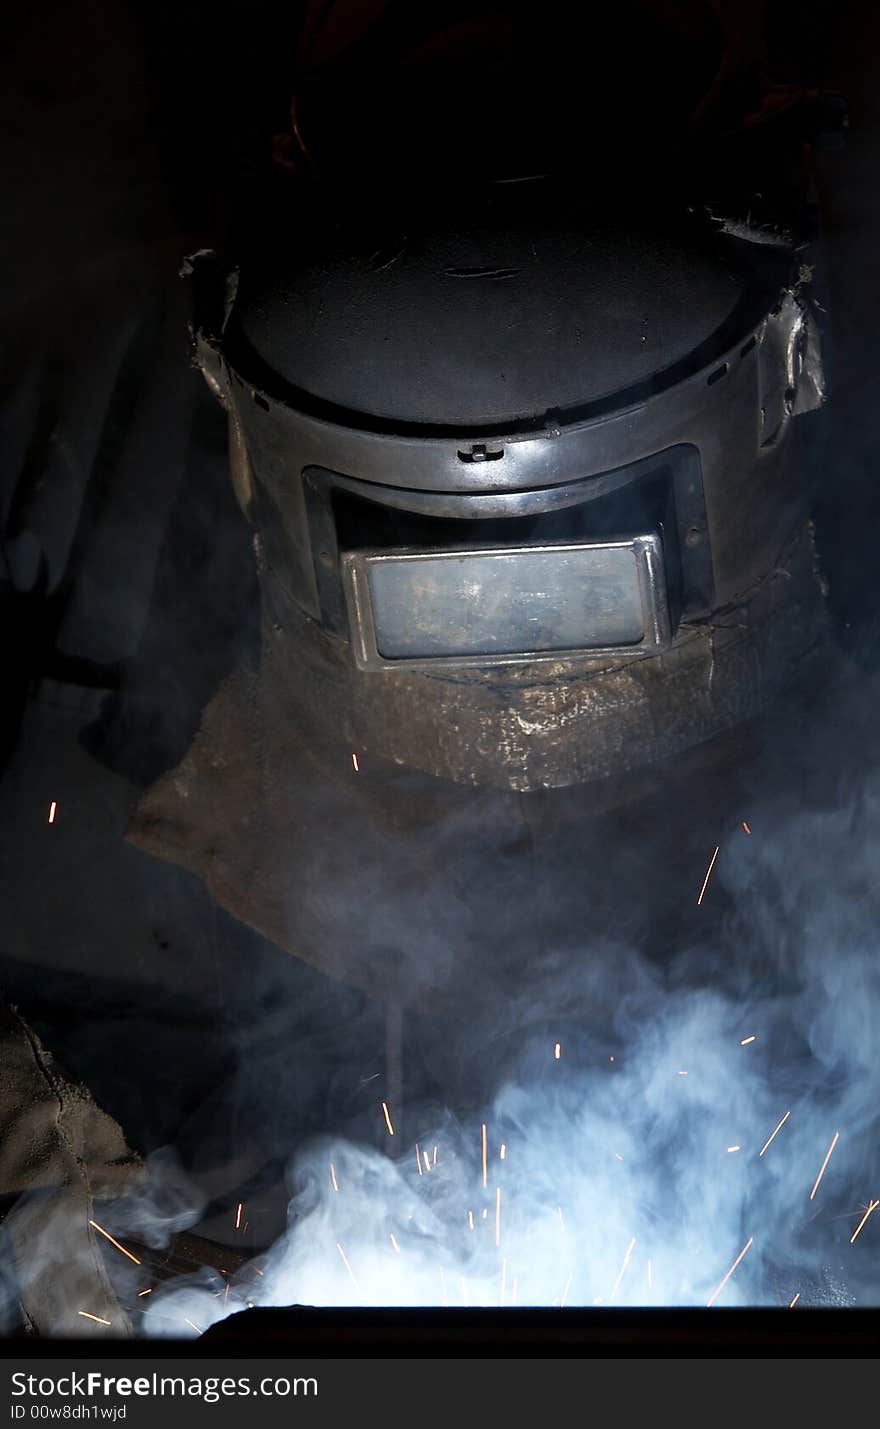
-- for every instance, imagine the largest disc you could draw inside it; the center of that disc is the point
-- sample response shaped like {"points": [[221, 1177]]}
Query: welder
{"points": [[514, 387]]}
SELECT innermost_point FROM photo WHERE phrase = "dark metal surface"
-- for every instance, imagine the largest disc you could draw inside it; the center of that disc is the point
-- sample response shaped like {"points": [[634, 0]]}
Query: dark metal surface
{"points": [[397, 1334], [489, 317], [561, 1332]]}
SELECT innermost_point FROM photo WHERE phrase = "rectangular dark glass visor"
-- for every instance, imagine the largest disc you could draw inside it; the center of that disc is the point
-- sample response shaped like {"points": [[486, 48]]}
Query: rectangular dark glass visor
{"points": [[485, 605]]}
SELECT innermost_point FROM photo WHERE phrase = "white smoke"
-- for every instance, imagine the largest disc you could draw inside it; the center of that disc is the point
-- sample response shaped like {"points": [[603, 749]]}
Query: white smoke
{"points": [[635, 1177]]}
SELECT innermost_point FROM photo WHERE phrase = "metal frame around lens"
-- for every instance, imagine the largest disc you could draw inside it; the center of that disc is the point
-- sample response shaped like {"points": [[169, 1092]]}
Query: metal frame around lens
{"points": [[648, 552]]}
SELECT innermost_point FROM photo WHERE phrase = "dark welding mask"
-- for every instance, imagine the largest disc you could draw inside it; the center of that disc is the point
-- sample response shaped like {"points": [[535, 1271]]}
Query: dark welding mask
{"points": [[521, 459]]}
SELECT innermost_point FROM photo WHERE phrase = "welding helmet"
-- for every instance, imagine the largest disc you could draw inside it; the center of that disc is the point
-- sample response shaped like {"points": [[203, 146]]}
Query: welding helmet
{"points": [[516, 430]]}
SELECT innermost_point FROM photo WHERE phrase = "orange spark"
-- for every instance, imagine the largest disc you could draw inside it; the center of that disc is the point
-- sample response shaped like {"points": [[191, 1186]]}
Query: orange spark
{"points": [[427, 1161], [238, 1216], [717, 1292], [622, 1271], [434, 1157], [746, 1040], [793, 1302], [503, 1152], [557, 1051], [354, 764], [195, 1327], [485, 1213], [393, 1240], [485, 1172], [824, 1164], [871, 1207], [497, 1215], [114, 1242], [746, 827], [386, 1113], [52, 807], [419, 1160], [708, 874], [86, 1316], [333, 1176], [734, 1148], [774, 1131], [348, 1267], [470, 1220], [148, 1291]]}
